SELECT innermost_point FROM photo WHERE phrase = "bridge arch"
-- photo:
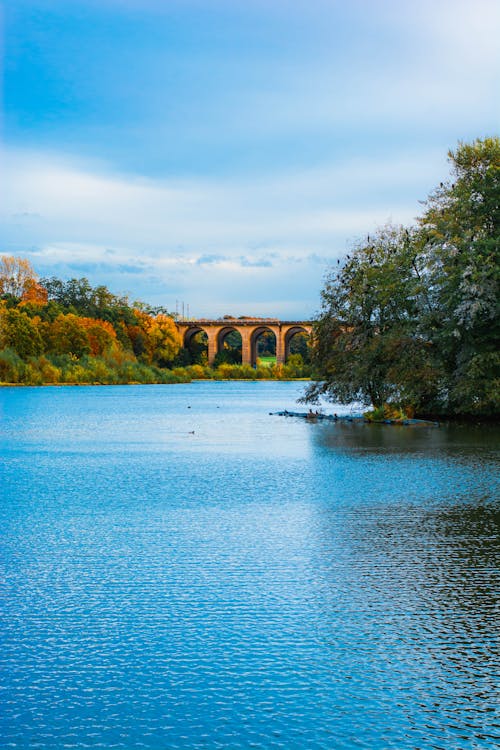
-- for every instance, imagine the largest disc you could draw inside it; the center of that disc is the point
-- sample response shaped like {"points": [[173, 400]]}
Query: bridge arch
{"points": [[195, 340], [222, 336], [291, 333], [190, 333], [254, 338]]}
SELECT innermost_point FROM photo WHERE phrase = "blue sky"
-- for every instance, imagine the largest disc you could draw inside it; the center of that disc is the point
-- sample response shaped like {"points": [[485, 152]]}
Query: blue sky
{"points": [[226, 153]]}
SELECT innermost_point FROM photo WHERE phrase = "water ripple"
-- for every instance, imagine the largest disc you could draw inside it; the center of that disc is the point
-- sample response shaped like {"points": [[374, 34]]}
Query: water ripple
{"points": [[271, 585]]}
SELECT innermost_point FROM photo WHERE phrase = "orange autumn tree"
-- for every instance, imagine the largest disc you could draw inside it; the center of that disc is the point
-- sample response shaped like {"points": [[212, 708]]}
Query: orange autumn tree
{"points": [[34, 294], [101, 336]]}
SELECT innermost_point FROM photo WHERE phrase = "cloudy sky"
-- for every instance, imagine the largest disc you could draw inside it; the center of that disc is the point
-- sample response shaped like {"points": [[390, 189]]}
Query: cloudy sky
{"points": [[227, 152]]}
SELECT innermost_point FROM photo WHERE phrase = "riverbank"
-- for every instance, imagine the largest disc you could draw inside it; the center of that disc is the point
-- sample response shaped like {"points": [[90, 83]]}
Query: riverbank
{"points": [[173, 382], [68, 370]]}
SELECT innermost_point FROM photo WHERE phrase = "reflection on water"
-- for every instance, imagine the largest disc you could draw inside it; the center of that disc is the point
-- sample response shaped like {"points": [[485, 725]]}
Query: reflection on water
{"points": [[184, 571], [447, 439]]}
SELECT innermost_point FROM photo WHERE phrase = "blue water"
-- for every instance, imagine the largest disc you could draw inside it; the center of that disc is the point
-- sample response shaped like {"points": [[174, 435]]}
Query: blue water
{"points": [[183, 570]]}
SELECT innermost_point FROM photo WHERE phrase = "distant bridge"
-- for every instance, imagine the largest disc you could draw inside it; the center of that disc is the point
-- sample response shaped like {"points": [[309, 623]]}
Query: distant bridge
{"points": [[249, 329]]}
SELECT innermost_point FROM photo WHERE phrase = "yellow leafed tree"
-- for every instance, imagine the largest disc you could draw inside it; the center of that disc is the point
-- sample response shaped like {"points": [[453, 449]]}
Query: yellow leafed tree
{"points": [[162, 340]]}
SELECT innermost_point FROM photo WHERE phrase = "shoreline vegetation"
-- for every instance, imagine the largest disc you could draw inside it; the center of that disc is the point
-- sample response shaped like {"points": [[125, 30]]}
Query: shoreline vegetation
{"points": [[410, 320], [55, 332], [82, 373]]}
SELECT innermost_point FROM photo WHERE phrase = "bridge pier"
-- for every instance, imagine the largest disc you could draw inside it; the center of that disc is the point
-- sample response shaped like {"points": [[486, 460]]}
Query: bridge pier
{"points": [[212, 336], [280, 348], [246, 347]]}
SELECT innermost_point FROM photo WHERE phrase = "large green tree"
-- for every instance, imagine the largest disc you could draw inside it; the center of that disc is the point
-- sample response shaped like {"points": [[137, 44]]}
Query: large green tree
{"points": [[367, 346], [19, 333], [461, 231], [67, 335], [412, 315]]}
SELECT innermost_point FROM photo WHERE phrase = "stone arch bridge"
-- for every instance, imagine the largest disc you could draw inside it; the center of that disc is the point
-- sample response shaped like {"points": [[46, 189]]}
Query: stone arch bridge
{"points": [[249, 329]]}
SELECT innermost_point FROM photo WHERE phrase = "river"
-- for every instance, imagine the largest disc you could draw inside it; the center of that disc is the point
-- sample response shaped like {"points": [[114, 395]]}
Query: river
{"points": [[183, 570]]}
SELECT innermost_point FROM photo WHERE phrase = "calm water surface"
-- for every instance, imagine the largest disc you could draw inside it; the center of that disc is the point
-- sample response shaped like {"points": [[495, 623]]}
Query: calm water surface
{"points": [[261, 583]]}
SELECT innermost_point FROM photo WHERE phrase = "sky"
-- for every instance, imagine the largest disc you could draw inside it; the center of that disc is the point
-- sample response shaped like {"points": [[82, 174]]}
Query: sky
{"points": [[225, 153]]}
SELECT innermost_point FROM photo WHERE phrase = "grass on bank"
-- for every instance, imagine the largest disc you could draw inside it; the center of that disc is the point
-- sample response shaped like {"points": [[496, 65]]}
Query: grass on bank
{"points": [[65, 369]]}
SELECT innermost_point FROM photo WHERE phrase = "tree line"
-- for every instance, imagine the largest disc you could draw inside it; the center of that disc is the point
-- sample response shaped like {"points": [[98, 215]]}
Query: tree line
{"points": [[410, 321], [54, 331], [68, 331]]}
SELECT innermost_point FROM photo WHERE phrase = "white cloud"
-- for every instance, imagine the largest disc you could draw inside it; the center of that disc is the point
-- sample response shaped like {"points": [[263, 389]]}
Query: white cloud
{"points": [[432, 64], [80, 205], [265, 239]]}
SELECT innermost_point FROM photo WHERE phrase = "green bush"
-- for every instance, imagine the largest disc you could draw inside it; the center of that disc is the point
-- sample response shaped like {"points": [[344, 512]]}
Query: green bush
{"points": [[110, 370], [198, 372], [48, 371], [12, 367]]}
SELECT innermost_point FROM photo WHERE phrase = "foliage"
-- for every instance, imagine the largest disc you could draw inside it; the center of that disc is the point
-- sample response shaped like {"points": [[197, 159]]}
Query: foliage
{"points": [[195, 353], [160, 339], [198, 372], [67, 335], [19, 332], [365, 347], [412, 316], [227, 356], [68, 331], [295, 367], [227, 371], [266, 361], [230, 353], [266, 344], [16, 276], [12, 367], [388, 411], [101, 335], [54, 331], [34, 294], [461, 228], [78, 296], [301, 344]]}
